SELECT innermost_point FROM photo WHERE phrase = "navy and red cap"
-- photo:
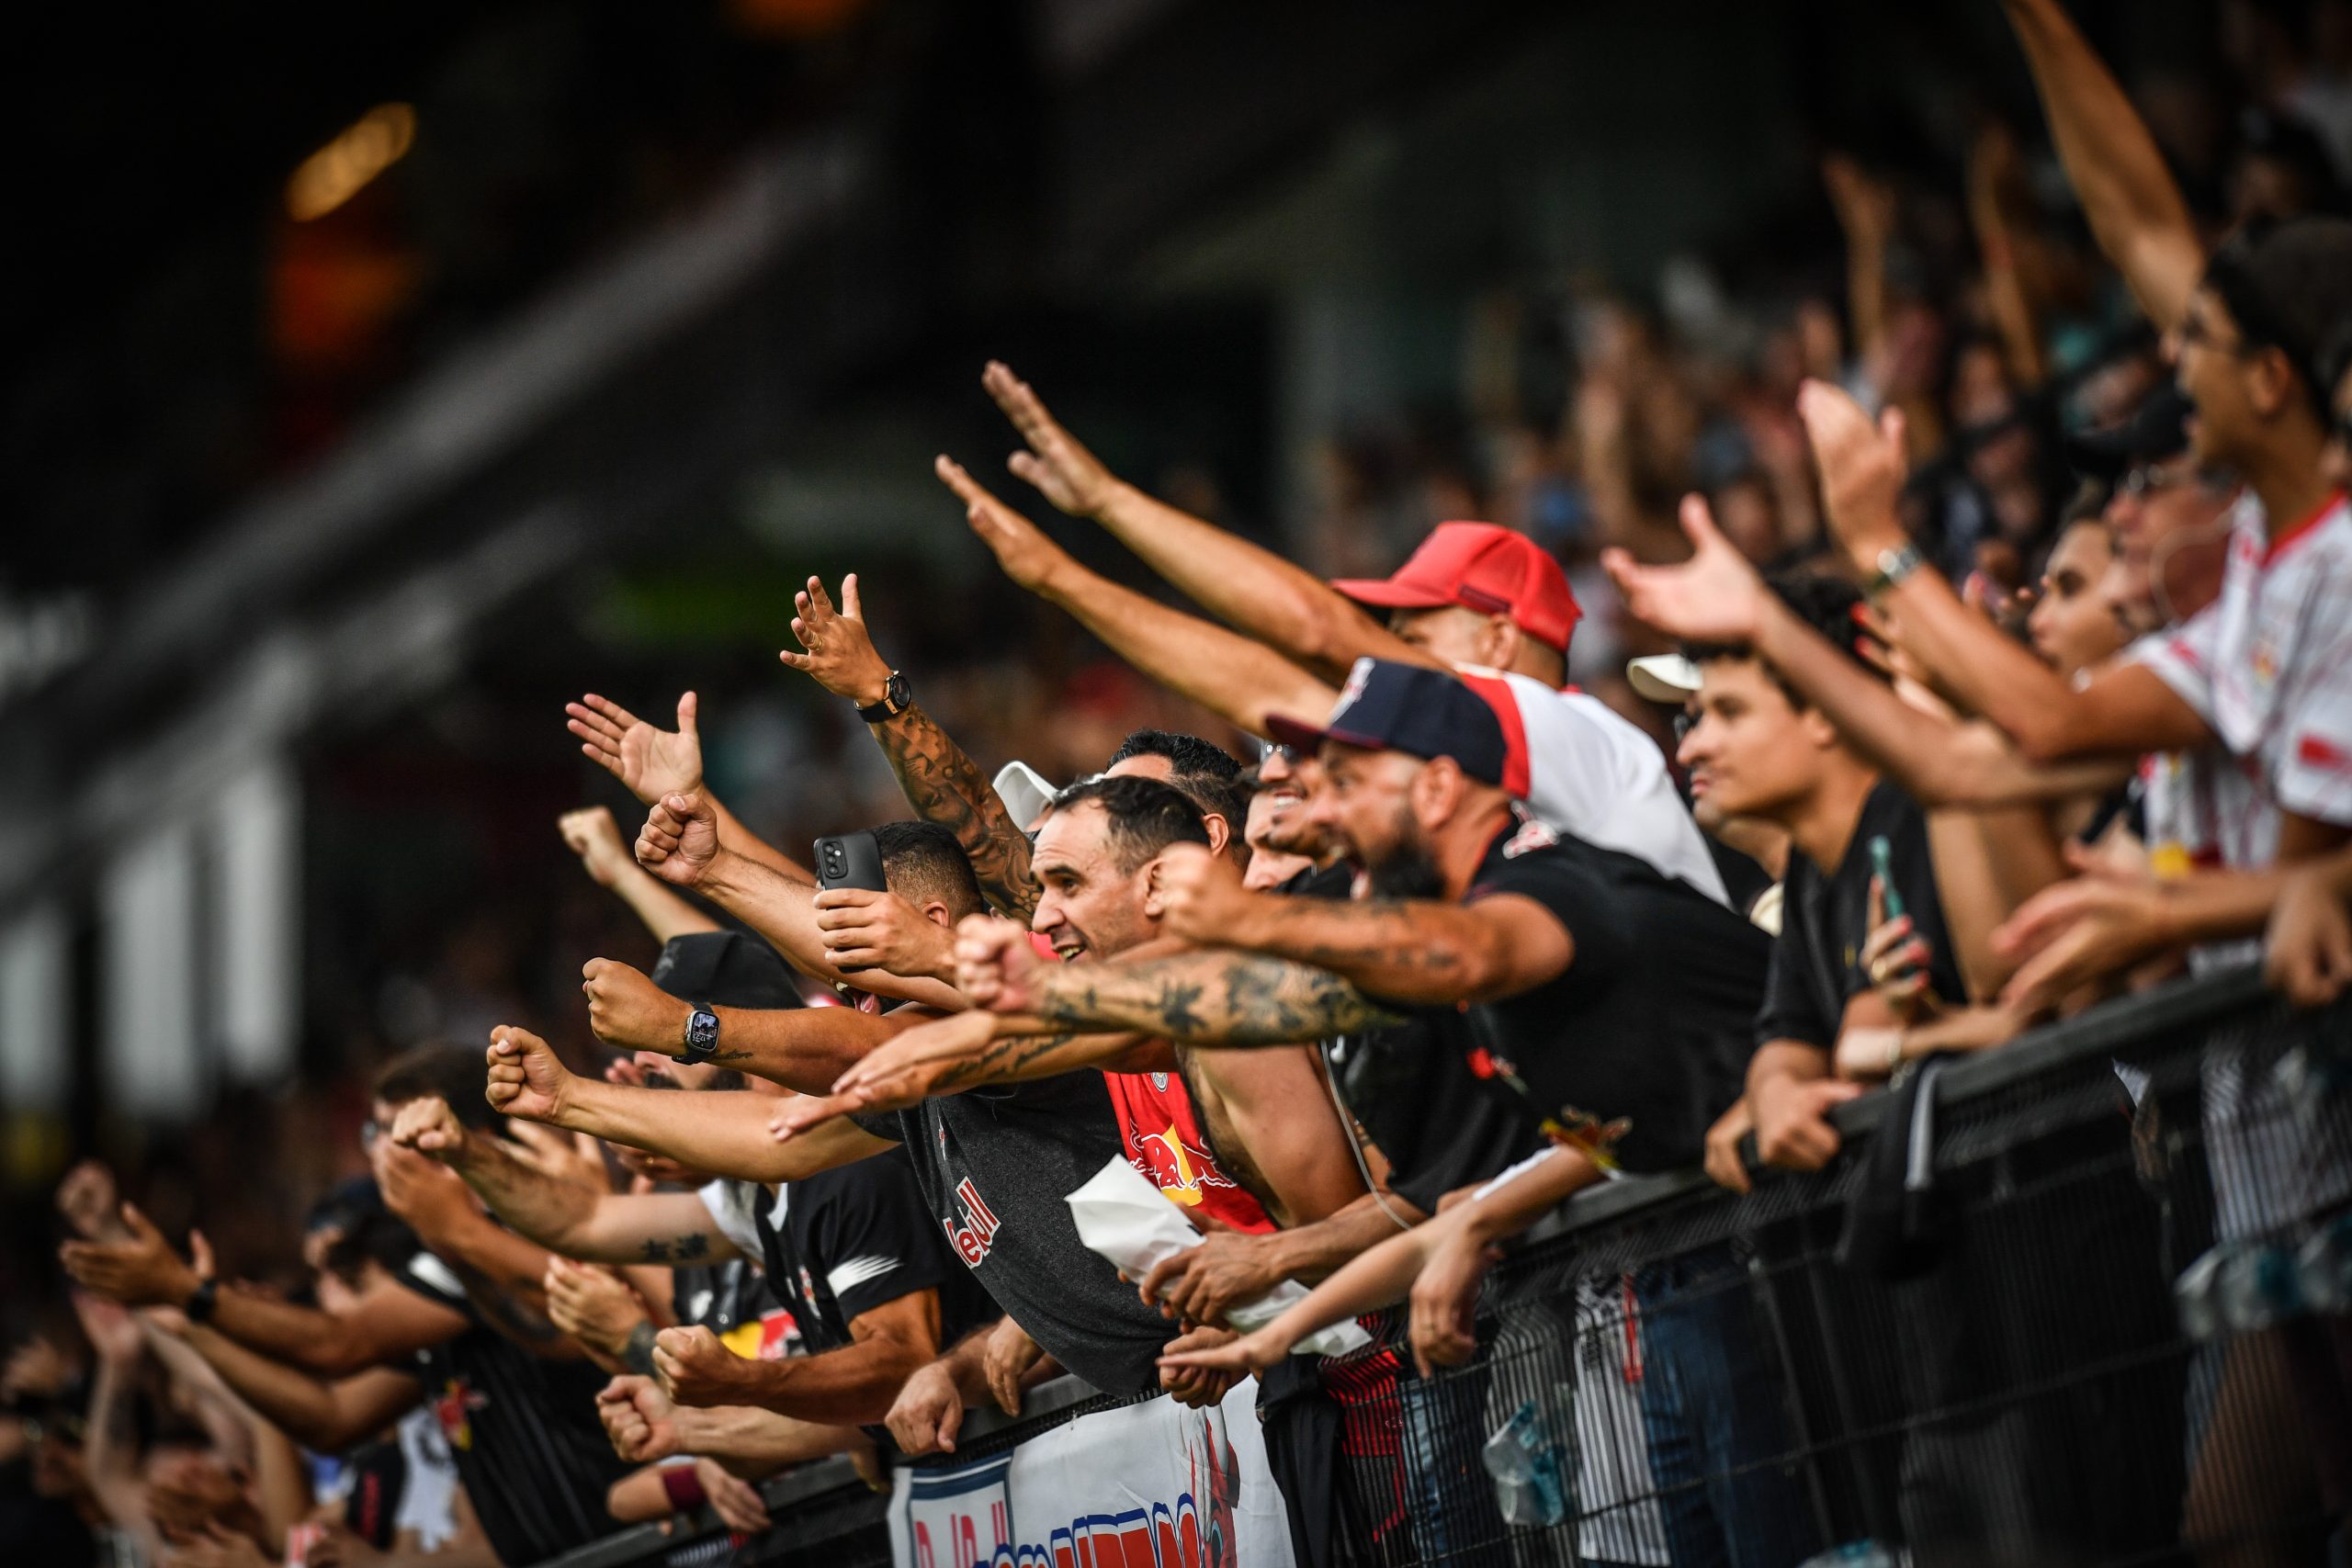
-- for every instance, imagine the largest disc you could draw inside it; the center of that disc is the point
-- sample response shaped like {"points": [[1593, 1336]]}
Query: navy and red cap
{"points": [[1483, 567], [1388, 707]]}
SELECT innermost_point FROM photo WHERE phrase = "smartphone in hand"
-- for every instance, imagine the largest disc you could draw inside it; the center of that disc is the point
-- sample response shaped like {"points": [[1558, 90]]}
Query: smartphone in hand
{"points": [[850, 860]]}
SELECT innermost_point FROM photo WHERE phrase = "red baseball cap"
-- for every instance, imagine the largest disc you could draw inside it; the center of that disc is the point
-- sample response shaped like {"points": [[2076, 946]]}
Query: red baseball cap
{"points": [[1483, 567]]}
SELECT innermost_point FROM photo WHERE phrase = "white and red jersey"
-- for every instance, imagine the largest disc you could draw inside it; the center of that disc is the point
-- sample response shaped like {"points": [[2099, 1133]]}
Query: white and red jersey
{"points": [[2269, 664], [1587, 772]]}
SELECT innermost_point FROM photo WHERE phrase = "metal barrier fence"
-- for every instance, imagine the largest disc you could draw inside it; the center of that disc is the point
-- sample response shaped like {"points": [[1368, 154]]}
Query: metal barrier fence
{"points": [[2103, 1322]]}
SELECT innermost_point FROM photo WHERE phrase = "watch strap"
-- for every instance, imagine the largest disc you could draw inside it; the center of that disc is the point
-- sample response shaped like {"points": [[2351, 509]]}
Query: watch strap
{"points": [[199, 1306], [1894, 563], [896, 700]]}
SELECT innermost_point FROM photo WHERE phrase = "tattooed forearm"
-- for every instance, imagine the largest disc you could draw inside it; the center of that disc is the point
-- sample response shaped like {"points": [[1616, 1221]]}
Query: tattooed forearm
{"points": [[1001, 1060], [945, 786], [1409, 950], [1211, 999], [681, 1249]]}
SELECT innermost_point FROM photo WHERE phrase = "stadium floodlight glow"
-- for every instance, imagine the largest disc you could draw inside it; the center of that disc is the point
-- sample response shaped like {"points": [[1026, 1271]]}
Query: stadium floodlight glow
{"points": [[341, 169]]}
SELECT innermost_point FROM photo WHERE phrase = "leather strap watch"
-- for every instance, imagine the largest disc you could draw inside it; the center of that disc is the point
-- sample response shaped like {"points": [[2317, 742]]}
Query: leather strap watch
{"points": [[702, 1035], [199, 1306], [897, 698], [1894, 563]]}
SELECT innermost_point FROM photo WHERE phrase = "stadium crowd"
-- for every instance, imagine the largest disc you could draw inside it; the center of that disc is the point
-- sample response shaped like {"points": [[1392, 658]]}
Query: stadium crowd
{"points": [[2005, 666]]}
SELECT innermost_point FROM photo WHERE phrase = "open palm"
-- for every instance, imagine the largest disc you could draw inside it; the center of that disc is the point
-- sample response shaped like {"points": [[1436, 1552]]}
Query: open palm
{"points": [[651, 761]]}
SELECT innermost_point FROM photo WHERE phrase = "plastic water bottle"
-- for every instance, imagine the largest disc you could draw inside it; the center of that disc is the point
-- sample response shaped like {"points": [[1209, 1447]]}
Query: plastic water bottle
{"points": [[1531, 1467], [2257, 1289], [2195, 1295], [1854, 1554], [2324, 1268]]}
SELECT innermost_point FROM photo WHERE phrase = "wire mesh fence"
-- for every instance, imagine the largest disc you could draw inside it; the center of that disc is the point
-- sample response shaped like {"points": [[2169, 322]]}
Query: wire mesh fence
{"points": [[2083, 1301]]}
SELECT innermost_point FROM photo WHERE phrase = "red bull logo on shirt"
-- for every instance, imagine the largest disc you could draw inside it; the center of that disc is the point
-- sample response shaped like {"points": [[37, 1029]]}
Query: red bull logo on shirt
{"points": [[971, 1240], [1181, 1171]]}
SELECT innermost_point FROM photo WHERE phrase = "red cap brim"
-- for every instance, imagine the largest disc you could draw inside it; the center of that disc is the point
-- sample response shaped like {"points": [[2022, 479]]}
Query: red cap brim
{"points": [[1389, 594]]}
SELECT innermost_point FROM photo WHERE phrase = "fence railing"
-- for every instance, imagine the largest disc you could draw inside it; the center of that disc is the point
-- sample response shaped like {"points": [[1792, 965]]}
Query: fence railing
{"points": [[2093, 1325]]}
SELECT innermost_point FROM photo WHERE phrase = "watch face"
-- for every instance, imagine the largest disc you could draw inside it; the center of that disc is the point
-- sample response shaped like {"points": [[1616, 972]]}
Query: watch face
{"points": [[898, 693], [702, 1030]]}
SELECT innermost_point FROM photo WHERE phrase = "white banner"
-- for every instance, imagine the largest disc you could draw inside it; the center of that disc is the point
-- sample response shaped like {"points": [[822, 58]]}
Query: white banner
{"points": [[1150, 1486]]}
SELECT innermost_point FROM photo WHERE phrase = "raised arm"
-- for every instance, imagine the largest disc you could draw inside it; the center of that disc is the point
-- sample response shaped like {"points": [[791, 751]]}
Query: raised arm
{"points": [[1194, 999], [654, 762], [1404, 950], [802, 1048], [593, 835], [646, 1425], [143, 1270], [682, 843], [940, 781], [504, 1273], [561, 1217], [2135, 209], [323, 1415], [1248, 587], [1239, 680], [1714, 596], [725, 1134]]}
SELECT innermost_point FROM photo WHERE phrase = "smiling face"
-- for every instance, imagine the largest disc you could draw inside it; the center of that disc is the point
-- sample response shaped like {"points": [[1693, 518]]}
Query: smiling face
{"points": [[1751, 752], [2236, 387], [2073, 625], [1088, 904]]}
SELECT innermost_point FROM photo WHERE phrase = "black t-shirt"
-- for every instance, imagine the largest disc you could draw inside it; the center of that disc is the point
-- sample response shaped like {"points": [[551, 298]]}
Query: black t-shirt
{"points": [[521, 1429], [995, 1165], [1635, 1047], [856, 1237], [1436, 1124], [1439, 1126], [1824, 921]]}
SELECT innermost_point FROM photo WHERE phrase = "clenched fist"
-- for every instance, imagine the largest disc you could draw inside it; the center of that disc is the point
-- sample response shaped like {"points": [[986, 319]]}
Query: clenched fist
{"points": [[627, 1010], [695, 1369], [525, 1080], [680, 839]]}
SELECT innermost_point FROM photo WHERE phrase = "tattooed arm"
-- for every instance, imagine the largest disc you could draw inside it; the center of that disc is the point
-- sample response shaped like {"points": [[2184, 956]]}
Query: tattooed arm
{"points": [[1203, 998], [941, 783], [964, 1051], [1409, 951], [564, 1217], [945, 786]]}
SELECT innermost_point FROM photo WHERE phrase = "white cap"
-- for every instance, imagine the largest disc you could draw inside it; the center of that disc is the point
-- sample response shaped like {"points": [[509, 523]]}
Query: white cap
{"points": [[1664, 678], [1024, 792]]}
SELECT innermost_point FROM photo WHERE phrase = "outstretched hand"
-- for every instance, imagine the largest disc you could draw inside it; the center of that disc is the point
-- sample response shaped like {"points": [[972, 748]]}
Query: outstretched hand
{"points": [[651, 763], [139, 1270], [1020, 548], [841, 656], [1863, 464], [1715, 596], [1064, 471], [898, 1074], [2308, 953], [2084, 929], [1252, 1352]]}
